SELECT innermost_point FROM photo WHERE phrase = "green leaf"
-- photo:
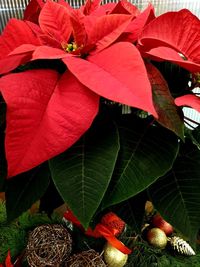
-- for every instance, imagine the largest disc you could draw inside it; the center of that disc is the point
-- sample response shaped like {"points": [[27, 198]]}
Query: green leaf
{"points": [[177, 194], [25, 189], [82, 174], [168, 112], [146, 153], [48, 203], [194, 135], [177, 77], [12, 238], [3, 217], [28, 221]]}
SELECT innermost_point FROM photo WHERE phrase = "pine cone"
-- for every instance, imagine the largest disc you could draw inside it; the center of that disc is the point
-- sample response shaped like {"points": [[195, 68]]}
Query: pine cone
{"points": [[181, 246]]}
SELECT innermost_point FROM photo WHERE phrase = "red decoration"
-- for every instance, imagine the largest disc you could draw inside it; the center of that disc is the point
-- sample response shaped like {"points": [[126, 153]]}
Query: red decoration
{"points": [[159, 222], [112, 221], [110, 226], [8, 262]]}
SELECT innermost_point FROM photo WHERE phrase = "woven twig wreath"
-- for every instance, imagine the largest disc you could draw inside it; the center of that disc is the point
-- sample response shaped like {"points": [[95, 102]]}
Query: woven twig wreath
{"points": [[88, 258], [48, 245]]}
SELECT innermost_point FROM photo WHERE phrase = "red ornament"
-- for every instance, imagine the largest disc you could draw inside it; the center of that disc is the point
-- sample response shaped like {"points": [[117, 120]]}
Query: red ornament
{"points": [[159, 222], [8, 262], [109, 227], [112, 221]]}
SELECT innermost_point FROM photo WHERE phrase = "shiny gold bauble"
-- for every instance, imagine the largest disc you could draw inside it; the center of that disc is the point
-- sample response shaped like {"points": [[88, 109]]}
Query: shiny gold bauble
{"points": [[157, 238], [113, 257]]}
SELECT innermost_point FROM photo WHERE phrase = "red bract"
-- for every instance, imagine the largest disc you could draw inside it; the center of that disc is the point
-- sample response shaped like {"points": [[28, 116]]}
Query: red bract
{"points": [[16, 34], [33, 9], [8, 262], [173, 36], [136, 26], [54, 22], [122, 7], [44, 116], [190, 100], [114, 75], [125, 7], [50, 112], [90, 6]]}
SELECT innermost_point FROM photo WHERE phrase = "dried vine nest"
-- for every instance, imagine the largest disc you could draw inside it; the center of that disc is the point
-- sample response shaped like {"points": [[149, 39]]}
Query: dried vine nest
{"points": [[48, 245], [88, 258]]}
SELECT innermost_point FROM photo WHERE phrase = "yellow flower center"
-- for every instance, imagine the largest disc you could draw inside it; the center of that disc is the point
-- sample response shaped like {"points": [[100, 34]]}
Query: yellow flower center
{"points": [[71, 47], [197, 77]]}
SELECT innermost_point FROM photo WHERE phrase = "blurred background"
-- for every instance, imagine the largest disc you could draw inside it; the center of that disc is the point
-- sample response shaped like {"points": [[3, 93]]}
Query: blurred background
{"points": [[14, 8]]}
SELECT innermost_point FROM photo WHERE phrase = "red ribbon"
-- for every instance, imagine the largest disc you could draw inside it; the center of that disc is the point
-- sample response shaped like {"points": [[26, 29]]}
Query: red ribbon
{"points": [[110, 226], [8, 262]]}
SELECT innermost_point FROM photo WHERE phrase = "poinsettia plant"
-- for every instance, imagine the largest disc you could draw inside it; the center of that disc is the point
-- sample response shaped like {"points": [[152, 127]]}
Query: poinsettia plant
{"points": [[91, 100]]}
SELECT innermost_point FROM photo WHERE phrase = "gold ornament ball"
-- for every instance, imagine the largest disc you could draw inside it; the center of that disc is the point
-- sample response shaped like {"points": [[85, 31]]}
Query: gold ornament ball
{"points": [[113, 257], [157, 238]]}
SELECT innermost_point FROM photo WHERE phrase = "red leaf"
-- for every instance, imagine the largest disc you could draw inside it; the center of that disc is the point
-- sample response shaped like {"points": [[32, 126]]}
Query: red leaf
{"points": [[33, 9], [8, 262], [169, 54], [189, 101], [49, 41], [44, 116], [117, 73], [20, 55], [103, 9], [46, 52], [16, 33], [34, 28], [179, 31], [40, 3], [136, 26], [164, 104], [13, 61], [107, 29], [54, 21], [90, 6], [125, 7], [22, 49], [65, 4], [79, 32]]}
